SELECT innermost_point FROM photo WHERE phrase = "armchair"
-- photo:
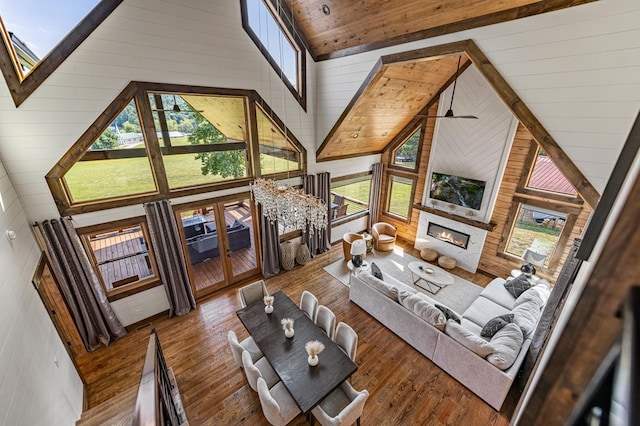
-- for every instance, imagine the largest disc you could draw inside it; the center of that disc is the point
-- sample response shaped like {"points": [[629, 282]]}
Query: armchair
{"points": [[384, 236], [343, 406], [347, 239]]}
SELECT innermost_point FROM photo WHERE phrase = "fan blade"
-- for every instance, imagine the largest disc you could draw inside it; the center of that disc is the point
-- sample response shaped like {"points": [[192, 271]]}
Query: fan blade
{"points": [[172, 110], [447, 116]]}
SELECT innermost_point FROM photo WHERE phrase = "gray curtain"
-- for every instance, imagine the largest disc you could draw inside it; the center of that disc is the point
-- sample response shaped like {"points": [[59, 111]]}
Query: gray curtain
{"points": [[270, 244], [319, 241], [170, 256], [374, 196], [82, 292]]}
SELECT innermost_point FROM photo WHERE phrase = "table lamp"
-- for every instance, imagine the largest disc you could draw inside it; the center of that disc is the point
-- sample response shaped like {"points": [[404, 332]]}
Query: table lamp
{"points": [[358, 249], [532, 258]]}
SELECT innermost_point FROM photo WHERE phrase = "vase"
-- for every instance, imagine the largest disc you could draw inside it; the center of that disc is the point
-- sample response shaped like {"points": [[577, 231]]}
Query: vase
{"points": [[312, 360], [289, 332], [303, 256], [268, 309], [287, 256]]}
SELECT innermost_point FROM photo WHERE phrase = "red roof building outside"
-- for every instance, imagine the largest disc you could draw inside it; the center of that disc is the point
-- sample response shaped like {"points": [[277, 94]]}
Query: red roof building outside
{"points": [[547, 177]]}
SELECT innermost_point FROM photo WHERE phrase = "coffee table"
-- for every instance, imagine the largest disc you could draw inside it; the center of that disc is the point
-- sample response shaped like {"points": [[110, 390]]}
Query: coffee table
{"points": [[429, 277]]}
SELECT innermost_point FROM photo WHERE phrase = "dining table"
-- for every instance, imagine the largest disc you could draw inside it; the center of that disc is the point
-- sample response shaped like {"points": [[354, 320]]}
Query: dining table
{"points": [[308, 385]]}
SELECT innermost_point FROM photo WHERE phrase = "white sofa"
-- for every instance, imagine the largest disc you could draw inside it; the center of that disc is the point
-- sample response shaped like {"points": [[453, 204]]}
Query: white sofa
{"points": [[485, 366]]}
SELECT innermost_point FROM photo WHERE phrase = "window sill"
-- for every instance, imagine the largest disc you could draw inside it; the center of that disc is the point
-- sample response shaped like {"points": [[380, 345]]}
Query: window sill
{"points": [[131, 289]]}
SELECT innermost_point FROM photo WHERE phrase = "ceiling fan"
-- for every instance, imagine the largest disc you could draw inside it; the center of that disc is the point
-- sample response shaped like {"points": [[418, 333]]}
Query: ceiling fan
{"points": [[176, 108], [449, 113]]}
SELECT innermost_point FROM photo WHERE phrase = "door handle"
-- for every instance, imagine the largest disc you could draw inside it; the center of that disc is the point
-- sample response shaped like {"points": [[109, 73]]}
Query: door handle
{"points": [[228, 253]]}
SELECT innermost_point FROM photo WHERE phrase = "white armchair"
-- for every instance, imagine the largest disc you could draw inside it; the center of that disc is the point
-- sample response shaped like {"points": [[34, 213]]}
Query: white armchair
{"points": [[343, 406], [252, 293], [278, 406]]}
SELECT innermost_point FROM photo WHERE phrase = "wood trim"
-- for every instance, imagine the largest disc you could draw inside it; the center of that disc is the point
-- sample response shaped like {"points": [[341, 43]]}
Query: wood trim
{"points": [[22, 87], [526, 117], [148, 127], [164, 150], [351, 176], [417, 124], [476, 224], [542, 6], [593, 326]]}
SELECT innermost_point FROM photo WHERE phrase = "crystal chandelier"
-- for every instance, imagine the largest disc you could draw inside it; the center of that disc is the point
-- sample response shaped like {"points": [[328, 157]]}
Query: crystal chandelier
{"points": [[289, 206]]}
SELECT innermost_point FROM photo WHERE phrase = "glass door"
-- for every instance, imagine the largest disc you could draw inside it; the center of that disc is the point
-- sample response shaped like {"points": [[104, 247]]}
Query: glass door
{"points": [[220, 243]]}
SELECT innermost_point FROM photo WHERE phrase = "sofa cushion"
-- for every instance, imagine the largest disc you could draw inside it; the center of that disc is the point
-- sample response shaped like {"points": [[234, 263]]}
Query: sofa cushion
{"points": [[469, 340], [526, 315], [448, 313], [540, 292], [496, 292], [482, 310], [422, 309], [507, 344], [385, 288], [518, 285], [495, 324], [471, 326], [375, 270]]}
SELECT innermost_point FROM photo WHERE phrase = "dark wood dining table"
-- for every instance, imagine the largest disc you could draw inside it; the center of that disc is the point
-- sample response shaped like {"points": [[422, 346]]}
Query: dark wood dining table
{"points": [[288, 357]]}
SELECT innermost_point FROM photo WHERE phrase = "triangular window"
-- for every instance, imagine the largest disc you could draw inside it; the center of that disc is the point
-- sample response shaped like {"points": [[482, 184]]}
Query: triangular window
{"points": [[406, 155], [546, 176]]}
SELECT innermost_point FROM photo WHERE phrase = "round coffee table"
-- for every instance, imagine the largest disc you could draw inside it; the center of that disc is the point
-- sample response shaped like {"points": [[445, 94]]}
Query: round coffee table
{"points": [[429, 277]]}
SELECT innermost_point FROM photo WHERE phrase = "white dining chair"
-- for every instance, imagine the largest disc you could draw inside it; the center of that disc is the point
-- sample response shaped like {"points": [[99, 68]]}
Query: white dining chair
{"points": [[309, 304], [343, 406], [347, 339], [252, 293], [278, 406], [261, 368], [246, 345], [326, 320]]}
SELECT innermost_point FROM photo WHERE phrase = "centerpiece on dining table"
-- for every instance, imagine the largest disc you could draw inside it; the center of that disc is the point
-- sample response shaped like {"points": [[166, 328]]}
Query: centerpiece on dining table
{"points": [[287, 326], [268, 304], [313, 348]]}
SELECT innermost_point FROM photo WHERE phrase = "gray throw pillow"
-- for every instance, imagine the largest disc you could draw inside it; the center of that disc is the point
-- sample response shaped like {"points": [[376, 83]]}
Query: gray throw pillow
{"points": [[495, 324], [448, 313], [376, 272], [518, 285]]}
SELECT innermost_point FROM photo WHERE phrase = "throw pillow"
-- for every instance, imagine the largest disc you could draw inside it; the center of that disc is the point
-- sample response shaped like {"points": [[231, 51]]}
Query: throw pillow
{"points": [[469, 340], [375, 270], [422, 309], [507, 344], [540, 292], [526, 315], [448, 313], [495, 324], [518, 285]]}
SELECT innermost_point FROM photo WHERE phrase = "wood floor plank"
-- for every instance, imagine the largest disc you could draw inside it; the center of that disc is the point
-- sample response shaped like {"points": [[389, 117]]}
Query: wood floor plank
{"points": [[405, 387]]}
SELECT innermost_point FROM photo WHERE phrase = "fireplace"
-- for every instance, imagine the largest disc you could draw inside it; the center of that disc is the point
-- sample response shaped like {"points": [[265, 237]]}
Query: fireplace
{"points": [[448, 235]]}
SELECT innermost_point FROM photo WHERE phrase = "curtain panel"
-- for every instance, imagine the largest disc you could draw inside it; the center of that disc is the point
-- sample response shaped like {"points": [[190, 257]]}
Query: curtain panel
{"points": [[319, 241], [269, 244], [374, 196], [172, 267], [79, 285]]}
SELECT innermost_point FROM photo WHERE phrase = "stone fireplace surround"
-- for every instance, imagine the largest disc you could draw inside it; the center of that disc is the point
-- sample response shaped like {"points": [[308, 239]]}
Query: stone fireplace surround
{"points": [[468, 258]]}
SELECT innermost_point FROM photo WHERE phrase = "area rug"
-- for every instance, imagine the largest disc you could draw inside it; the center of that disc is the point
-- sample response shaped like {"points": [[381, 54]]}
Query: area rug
{"points": [[458, 296]]}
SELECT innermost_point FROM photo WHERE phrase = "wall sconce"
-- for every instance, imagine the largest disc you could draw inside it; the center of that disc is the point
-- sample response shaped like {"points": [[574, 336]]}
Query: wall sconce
{"points": [[11, 235]]}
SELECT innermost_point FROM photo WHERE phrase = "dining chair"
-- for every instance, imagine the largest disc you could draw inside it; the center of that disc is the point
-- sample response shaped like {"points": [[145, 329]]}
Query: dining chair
{"points": [[343, 406], [326, 320], [278, 406], [309, 304], [252, 292], [246, 345], [261, 368], [347, 339]]}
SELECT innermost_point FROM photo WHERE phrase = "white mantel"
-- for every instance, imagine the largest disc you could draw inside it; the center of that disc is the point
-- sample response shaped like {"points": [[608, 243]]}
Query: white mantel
{"points": [[467, 259]]}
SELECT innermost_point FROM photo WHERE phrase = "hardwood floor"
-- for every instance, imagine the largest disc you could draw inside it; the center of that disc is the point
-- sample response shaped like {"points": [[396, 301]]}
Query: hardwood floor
{"points": [[405, 387]]}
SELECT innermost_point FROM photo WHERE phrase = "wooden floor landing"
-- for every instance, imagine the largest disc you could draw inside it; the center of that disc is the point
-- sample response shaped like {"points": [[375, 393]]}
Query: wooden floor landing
{"points": [[405, 387]]}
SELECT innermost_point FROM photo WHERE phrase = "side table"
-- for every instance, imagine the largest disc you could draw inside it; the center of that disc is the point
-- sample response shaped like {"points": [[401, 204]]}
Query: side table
{"points": [[352, 267]]}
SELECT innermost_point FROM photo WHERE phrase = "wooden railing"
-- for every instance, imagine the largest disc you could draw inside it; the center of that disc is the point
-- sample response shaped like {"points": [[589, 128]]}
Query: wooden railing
{"points": [[158, 401]]}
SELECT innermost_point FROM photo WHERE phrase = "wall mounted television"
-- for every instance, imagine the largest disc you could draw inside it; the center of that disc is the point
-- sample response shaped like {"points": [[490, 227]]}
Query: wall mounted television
{"points": [[457, 190]]}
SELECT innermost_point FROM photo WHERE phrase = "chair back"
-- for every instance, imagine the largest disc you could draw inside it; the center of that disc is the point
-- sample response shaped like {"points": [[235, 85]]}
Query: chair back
{"points": [[347, 339], [326, 320], [250, 369], [347, 240], [236, 348], [252, 292], [309, 304], [270, 406]]}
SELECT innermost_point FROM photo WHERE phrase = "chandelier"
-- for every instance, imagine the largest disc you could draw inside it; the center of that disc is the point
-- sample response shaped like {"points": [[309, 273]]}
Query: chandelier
{"points": [[289, 206]]}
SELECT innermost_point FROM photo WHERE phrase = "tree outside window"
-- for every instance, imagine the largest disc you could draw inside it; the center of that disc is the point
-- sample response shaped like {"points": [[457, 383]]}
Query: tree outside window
{"points": [[406, 155]]}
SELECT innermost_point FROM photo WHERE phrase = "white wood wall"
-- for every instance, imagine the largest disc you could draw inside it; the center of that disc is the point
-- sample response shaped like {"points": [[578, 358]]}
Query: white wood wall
{"points": [[38, 382]]}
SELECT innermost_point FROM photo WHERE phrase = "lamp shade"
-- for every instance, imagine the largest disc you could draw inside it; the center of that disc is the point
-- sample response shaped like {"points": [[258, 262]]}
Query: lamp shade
{"points": [[358, 247], [533, 257]]}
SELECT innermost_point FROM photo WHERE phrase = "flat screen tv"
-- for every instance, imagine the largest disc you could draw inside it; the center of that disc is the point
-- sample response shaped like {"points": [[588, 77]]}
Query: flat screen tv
{"points": [[457, 190]]}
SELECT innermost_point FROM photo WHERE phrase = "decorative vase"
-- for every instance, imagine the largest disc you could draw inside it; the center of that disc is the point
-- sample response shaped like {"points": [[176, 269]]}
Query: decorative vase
{"points": [[289, 332], [303, 256], [312, 360], [268, 309], [287, 256]]}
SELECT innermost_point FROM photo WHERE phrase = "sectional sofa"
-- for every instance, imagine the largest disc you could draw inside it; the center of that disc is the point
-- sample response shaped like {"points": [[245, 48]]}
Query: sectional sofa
{"points": [[485, 365]]}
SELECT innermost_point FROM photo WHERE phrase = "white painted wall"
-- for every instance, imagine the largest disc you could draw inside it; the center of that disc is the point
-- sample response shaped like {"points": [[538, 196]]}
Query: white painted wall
{"points": [[577, 69], [34, 390]]}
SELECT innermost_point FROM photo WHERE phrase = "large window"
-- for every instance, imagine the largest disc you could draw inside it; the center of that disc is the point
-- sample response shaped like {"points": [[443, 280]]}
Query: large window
{"points": [[270, 27], [349, 196], [121, 255], [400, 192]]}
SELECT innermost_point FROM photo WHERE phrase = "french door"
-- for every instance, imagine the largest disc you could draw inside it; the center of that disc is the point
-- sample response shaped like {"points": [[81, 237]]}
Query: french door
{"points": [[219, 238]]}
